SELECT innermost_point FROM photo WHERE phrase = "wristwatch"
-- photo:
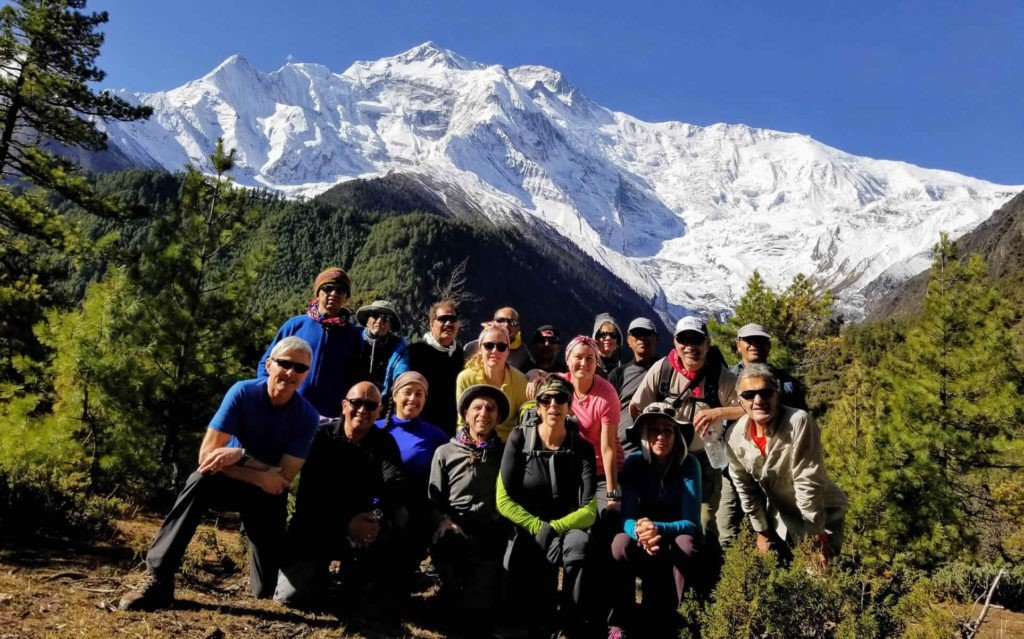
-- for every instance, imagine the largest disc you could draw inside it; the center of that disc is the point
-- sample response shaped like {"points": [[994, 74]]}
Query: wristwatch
{"points": [[243, 460], [614, 495]]}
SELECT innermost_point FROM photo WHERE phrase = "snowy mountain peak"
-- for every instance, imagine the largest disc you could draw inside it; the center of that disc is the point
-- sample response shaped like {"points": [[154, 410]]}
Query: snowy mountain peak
{"points": [[432, 55], [683, 213], [234, 66], [533, 77]]}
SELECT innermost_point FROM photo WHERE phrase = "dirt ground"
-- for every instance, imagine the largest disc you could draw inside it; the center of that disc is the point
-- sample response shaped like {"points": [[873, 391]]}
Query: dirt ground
{"points": [[57, 589], [63, 589]]}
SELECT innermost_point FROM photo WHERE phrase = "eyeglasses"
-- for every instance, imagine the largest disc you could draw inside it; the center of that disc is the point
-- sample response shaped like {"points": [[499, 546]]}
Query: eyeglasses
{"points": [[641, 333], [607, 335], [359, 403], [765, 393], [289, 365], [690, 339], [446, 319], [506, 320], [558, 398], [331, 288], [501, 347], [379, 316], [551, 341]]}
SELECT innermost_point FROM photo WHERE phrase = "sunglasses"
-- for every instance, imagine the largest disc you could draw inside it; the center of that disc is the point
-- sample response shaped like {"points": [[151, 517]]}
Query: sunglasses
{"points": [[501, 347], [641, 333], [607, 335], [447, 319], [558, 398], [379, 316], [331, 288], [358, 404], [506, 320], [289, 365], [667, 411], [551, 341], [765, 393], [689, 340]]}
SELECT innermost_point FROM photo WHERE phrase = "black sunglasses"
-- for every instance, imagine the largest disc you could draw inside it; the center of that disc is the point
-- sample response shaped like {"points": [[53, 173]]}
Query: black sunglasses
{"points": [[447, 319], [331, 288], [558, 398], [554, 341], [359, 403], [501, 347], [765, 393], [506, 320], [380, 316], [605, 334], [641, 333], [690, 339], [289, 365]]}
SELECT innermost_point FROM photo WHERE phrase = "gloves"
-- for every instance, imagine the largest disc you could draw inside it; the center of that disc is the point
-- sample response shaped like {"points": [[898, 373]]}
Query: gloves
{"points": [[545, 536]]}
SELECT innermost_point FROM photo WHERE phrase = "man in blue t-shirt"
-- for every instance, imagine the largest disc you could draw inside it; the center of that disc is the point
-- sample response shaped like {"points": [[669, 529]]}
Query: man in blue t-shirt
{"points": [[255, 445]]}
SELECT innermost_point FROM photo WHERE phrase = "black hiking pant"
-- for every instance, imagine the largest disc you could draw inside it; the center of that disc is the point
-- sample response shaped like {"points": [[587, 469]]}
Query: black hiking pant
{"points": [[263, 520]]}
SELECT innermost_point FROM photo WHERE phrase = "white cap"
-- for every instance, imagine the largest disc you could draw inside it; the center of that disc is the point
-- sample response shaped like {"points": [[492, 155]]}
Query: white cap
{"points": [[691, 323]]}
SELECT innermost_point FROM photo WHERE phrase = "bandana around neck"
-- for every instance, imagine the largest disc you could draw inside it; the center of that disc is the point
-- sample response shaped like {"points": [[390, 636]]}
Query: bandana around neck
{"points": [[327, 321], [463, 437], [677, 366], [430, 339]]}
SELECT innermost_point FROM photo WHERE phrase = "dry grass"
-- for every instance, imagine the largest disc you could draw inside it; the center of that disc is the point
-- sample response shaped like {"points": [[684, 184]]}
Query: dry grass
{"points": [[60, 589]]}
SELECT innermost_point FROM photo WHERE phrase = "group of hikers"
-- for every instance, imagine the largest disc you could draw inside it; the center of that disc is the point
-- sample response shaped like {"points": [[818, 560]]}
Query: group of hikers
{"points": [[503, 462]]}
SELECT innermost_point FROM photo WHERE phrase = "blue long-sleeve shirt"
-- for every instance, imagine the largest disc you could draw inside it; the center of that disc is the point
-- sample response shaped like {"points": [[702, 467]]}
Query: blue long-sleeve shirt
{"points": [[335, 358], [671, 501]]}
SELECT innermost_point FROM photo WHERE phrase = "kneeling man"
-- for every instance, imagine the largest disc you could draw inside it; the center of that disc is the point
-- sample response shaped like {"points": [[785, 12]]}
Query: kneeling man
{"points": [[253, 448], [346, 508]]}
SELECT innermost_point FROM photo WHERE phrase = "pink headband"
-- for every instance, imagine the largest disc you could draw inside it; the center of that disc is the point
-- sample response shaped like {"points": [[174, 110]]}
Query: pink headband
{"points": [[589, 341], [494, 326]]}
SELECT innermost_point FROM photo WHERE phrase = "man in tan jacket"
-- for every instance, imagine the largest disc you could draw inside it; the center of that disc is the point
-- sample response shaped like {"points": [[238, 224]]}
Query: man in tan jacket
{"points": [[775, 461]]}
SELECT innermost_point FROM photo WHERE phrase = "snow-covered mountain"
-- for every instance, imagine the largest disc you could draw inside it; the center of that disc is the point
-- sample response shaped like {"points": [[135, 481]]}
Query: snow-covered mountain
{"points": [[682, 213]]}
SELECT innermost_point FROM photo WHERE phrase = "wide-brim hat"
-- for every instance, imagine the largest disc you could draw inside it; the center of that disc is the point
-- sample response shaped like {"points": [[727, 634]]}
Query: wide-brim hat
{"points": [[383, 307], [654, 412], [485, 390]]}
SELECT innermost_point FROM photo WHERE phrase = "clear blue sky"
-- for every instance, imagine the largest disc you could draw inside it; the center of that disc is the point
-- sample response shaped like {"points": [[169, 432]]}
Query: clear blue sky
{"points": [[939, 84]]}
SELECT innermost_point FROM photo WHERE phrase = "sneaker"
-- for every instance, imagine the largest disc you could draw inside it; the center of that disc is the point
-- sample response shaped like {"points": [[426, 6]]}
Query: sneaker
{"points": [[616, 632], [152, 594]]}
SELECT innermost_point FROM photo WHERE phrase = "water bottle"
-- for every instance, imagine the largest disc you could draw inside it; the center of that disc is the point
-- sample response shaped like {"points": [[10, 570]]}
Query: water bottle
{"points": [[715, 447]]}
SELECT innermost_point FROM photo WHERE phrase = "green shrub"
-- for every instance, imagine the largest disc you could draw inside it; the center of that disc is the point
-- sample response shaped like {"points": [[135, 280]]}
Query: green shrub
{"points": [[43, 478], [759, 597]]}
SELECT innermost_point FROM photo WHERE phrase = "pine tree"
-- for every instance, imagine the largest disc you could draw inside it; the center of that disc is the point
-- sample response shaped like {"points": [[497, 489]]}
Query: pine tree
{"points": [[952, 403], [158, 343], [795, 318], [47, 60], [204, 332]]}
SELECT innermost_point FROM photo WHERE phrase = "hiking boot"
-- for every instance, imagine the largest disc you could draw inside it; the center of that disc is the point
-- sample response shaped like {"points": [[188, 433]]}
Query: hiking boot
{"points": [[152, 594]]}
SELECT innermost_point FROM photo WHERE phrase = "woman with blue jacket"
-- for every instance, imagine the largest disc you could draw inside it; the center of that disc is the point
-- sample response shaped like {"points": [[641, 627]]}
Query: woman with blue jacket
{"points": [[661, 493]]}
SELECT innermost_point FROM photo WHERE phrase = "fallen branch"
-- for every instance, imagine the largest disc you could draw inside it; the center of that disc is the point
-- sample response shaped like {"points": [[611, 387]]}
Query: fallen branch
{"points": [[67, 574], [975, 625]]}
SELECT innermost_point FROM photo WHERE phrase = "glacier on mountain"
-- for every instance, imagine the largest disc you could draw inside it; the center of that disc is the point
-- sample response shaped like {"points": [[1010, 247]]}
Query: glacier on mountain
{"points": [[682, 213]]}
